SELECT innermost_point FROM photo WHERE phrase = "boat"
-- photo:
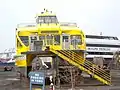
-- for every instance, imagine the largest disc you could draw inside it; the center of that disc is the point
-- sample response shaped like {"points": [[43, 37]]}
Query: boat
{"points": [[101, 46]]}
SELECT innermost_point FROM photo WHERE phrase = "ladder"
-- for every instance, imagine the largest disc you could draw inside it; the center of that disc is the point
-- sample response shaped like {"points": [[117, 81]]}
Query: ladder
{"points": [[87, 66]]}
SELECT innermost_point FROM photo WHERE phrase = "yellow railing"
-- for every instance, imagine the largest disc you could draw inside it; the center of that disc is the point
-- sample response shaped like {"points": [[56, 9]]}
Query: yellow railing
{"points": [[75, 59], [87, 64]]}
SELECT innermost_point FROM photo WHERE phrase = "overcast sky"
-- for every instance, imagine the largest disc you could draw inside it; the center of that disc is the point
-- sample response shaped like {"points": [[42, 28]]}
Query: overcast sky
{"points": [[92, 16]]}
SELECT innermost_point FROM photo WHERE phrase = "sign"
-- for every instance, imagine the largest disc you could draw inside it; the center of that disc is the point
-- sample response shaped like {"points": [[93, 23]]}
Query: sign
{"points": [[100, 49], [37, 78]]}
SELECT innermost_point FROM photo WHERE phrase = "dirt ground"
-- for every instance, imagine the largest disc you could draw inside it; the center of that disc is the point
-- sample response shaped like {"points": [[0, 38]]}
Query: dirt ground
{"points": [[9, 81]]}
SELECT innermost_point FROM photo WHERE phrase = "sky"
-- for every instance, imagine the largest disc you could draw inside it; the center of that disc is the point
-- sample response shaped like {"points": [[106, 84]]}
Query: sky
{"points": [[92, 16]]}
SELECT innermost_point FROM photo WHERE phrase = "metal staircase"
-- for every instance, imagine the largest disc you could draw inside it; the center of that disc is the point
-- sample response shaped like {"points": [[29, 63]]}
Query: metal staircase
{"points": [[87, 66]]}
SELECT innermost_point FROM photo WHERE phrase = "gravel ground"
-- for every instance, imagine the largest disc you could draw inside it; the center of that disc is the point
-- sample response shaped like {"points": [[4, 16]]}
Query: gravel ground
{"points": [[9, 81]]}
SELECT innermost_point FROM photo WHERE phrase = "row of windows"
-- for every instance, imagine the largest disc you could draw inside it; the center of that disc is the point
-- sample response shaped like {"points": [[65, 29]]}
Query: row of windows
{"points": [[75, 39], [24, 39], [102, 45], [46, 19], [101, 37], [100, 53]]}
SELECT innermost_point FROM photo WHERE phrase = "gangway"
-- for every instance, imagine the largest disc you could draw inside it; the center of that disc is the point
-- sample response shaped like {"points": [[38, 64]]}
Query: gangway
{"points": [[87, 66]]}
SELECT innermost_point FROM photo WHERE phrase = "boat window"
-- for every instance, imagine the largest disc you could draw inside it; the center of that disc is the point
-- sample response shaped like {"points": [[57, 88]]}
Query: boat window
{"points": [[57, 39], [101, 37], [46, 19], [92, 36], [111, 38], [24, 40], [65, 39], [100, 53], [33, 38], [41, 37], [115, 38], [49, 39], [54, 19], [75, 39], [40, 20]]}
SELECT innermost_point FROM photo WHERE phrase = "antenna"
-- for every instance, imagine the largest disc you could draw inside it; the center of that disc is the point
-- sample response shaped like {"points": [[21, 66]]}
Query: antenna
{"points": [[100, 33]]}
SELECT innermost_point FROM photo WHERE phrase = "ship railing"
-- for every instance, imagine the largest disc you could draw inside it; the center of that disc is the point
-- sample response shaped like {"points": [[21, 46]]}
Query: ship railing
{"points": [[34, 24], [68, 24], [26, 25]]}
